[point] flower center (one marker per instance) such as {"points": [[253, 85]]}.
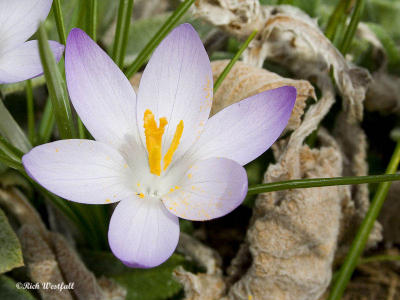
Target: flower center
{"points": [[154, 136]]}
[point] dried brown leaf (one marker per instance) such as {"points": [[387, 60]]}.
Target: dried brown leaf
{"points": [[245, 80]]}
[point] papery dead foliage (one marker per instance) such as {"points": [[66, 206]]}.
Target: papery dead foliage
{"points": [[292, 38], [293, 234], [49, 257], [210, 285], [384, 93], [245, 80]]}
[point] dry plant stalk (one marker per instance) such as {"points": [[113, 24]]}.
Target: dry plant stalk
{"points": [[292, 38]]}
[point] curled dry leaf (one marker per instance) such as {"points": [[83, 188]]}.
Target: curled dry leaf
{"points": [[41, 263], [384, 93], [293, 234], [200, 286], [49, 257], [203, 255], [245, 80], [18, 207], [292, 38], [74, 270]]}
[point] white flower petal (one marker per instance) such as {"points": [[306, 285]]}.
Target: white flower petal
{"points": [[19, 20], [82, 171], [177, 84], [23, 62], [210, 189], [142, 233]]}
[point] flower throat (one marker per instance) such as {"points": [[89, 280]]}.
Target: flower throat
{"points": [[154, 136]]}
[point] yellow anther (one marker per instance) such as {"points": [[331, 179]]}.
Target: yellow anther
{"points": [[154, 135], [141, 195], [174, 145], [108, 200]]}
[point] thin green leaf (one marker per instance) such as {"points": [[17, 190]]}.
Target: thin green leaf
{"points": [[319, 182], [337, 19], [93, 19], [159, 36], [10, 249], [10, 129], [122, 31], [47, 123], [59, 21], [9, 290], [229, 66], [378, 258], [31, 112], [351, 29], [56, 87], [359, 242]]}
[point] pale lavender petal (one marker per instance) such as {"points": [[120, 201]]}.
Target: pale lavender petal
{"points": [[99, 91], [19, 19], [23, 62], [210, 189], [142, 233], [82, 171], [245, 130], [177, 84]]}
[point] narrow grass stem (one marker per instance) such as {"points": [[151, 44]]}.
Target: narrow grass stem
{"points": [[93, 19], [47, 123], [122, 31], [230, 65], [351, 29], [57, 88], [378, 258], [359, 242], [30, 112], [158, 37], [60, 21], [319, 182], [337, 19]]}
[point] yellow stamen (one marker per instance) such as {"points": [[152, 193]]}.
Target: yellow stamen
{"points": [[153, 140], [154, 136], [174, 145]]}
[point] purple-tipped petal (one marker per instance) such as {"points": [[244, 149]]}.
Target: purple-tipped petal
{"points": [[142, 233], [81, 171], [99, 91], [19, 19], [23, 62], [177, 84], [245, 130], [210, 189]]}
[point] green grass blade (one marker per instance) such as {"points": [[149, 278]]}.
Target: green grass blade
{"points": [[359, 242], [233, 61], [10, 129], [93, 19], [30, 112], [159, 36], [122, 31], [351, 29], [47, 123], [57, 88], [319, 182], [337, 19], [59, 21]]}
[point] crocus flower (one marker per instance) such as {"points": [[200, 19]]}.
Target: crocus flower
{"points": [[19, 19], [158, 153]]}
